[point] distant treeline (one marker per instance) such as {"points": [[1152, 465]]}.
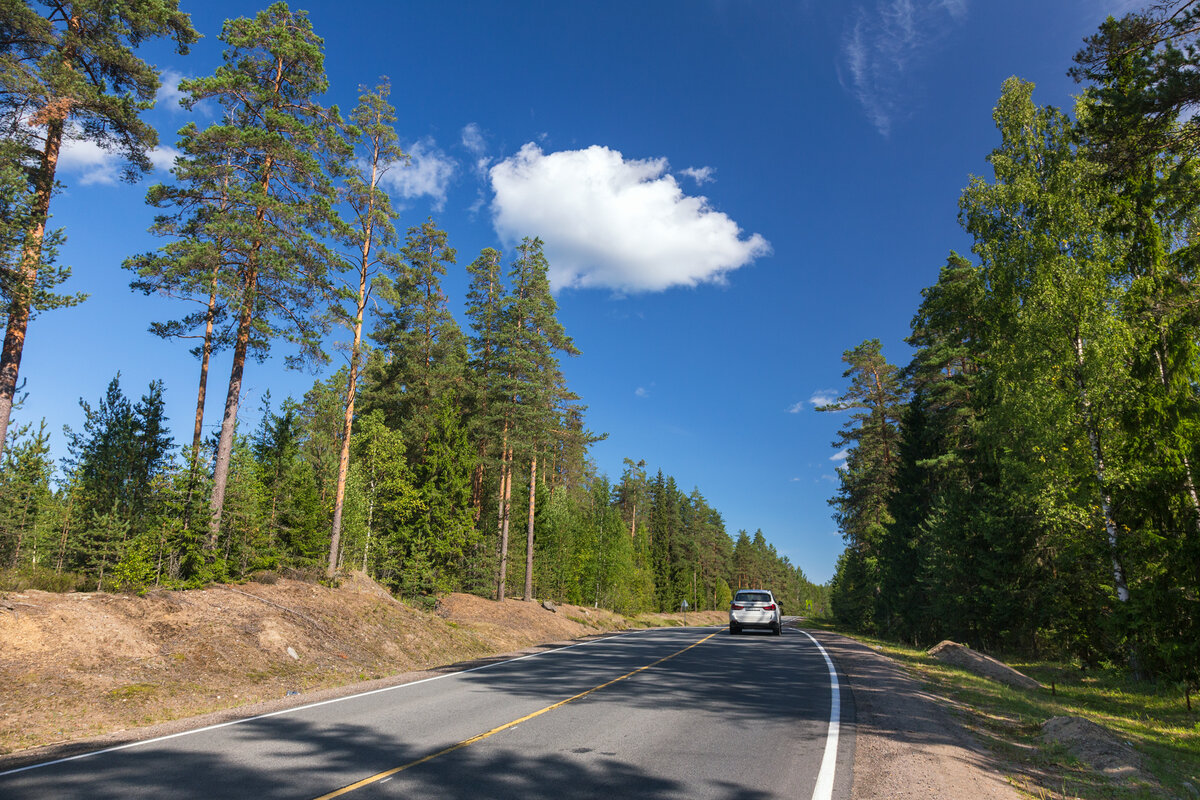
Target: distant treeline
{"points": [[1029, 481], [436, 460]]}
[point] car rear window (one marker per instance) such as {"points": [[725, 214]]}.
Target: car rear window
{"points": [[753, 597]]}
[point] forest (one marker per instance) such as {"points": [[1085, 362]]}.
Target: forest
{"points": [[1027, 483], [437, 459]]}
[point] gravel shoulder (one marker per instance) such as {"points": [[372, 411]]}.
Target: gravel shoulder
{"points": [[907, 743]]}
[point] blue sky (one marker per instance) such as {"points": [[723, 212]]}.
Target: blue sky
{"points": [[731, 194]]}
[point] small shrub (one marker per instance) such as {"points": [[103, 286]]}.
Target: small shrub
{"points": [[46, 580]]}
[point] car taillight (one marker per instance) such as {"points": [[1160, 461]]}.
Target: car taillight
{"points": [[770, 607], [736, 607]]}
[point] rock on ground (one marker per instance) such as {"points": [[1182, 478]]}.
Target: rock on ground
{"points": [[959, 655]]}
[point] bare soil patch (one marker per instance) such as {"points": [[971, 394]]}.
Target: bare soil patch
{"points": [[84, 664]]}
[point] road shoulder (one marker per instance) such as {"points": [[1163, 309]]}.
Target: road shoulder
{"points": [[907, 744]]}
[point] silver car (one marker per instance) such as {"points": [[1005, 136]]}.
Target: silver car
{"points": [[755, 608]]}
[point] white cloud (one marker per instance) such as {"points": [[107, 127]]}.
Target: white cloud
{"points": [[879, 48], [612, 223], [89, 160], [797, 408], [428, 174], [95, 165], [641, 392], [168, 92], [823, 398], [472, 138], [164, 157], [474, 141], [840, 455], [701, 175]]}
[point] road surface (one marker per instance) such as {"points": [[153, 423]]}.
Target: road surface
{"points": [[666, 713]]}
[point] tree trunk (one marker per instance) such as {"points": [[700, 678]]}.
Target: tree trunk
{"points": [[229, 422], [351, 388], [1093, 434], [477, 484], [22, 295], [529, 530], [1188, 476], [503, 513]]}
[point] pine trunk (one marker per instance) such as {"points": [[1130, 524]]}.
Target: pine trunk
{"points": [[529, 530], [348, 421], [229, 422], [22, 296], [503, 514]]}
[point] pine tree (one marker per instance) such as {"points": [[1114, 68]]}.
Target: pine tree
{"points": [[871, 437], [276, 135], [368, 232], [68, 69]]}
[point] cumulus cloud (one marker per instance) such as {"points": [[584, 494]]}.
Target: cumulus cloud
{"points": [[701, 175], [427, 174], [163, 158], [91, 162], [840, 456], [614, 223], [797, 408], [96, 166], [880, 48]]}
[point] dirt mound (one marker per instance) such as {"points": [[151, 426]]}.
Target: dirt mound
{"points": [[81, 664], [1097, 747], [959, 655]]}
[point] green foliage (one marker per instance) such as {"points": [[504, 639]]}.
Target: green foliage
{"points": [[1044, 497]]}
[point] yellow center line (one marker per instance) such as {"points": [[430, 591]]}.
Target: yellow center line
{"points": [[465, 742]]}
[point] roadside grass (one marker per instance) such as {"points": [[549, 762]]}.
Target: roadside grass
{"points": [[1151, 716]]}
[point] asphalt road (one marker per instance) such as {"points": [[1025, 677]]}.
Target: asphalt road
{"points": [[667, 713]]}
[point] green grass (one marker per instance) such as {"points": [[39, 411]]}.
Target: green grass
{"points": [[1151, 716]]}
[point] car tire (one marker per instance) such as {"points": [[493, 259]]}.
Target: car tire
{"points": [[734, 630], [778, 628]]}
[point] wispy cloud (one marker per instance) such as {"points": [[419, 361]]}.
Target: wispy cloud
{"points": [[641, 391], [643, 233], [428, 174], [823, 397], [797, 408], [880, 47], [840, 456], [701, 175], [473, 139], [168, 92]]}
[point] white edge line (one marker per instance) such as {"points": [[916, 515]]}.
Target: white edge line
{"points": [[156, 739], [824, 787]]}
